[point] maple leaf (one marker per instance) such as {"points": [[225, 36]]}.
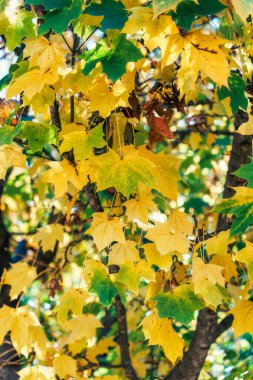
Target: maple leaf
{"points": [[16, 25], [218, 244], [245, 172], [179, 304], [74, 300], [154, 257], [161, 6], [141, 205], [159, 129], [246, 128], [83, 327], [37, 372], [31, 83], [155, 29], [171, 236], [226, 262], [243, 318], [104, 230], [245, 256], [103, 287], [100, 348], [20, 277], [200, 52], [60, 174], [166, 172], [241, 205], [18, 321], [82, 142], [124, 171], [208, 282], [120, 253], [11, 155], [47, 236], [130, 274], [98, 92], [161, 332], [114, 60], [113, 12], [45, 53], [65, 365]]}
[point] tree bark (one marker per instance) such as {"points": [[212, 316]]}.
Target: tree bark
{"points": [[208, 329]]}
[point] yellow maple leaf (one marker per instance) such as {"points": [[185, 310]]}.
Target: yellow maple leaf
{"points": [[74, 300], [210, 272], [31, 83], [218, 244], [120, 253], [124, 171], [166, 172], [64, 366], [101, 90], [18, 321], [37, 372], [11, 155], [245, 256], [243, 318], [226, 262], [100, 348], [205, 278], [171, 236], [200, 52], [38, 341], [104, 230], [140, 206], [48, 235], [47, 54], [246, 128], [155, 29], [20, 277], [83, 327], [211, 294], [154, 257], [160, 331], [60, 174]]}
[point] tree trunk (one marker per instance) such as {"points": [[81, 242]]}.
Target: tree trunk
{"points": [[208, 330]]}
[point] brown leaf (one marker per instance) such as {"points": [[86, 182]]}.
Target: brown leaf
{"points": [[159, 129]]}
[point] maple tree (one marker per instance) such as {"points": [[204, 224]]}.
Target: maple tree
{"points": [[121, 123]]}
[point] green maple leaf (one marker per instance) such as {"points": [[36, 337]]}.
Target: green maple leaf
{"points": [[20, 27], [8, 133], [246, 172], [180, 305], [59, 19], [114, 60], [50, 4], [188, 10], [235, 92], [38, 135], [103, 287], [114, 12]]}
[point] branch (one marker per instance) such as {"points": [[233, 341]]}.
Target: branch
{"points": [[123, 340], [208, 329], [55, 115], [72, 98]]}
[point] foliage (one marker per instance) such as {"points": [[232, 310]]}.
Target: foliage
{"points": [[115, 139]]}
